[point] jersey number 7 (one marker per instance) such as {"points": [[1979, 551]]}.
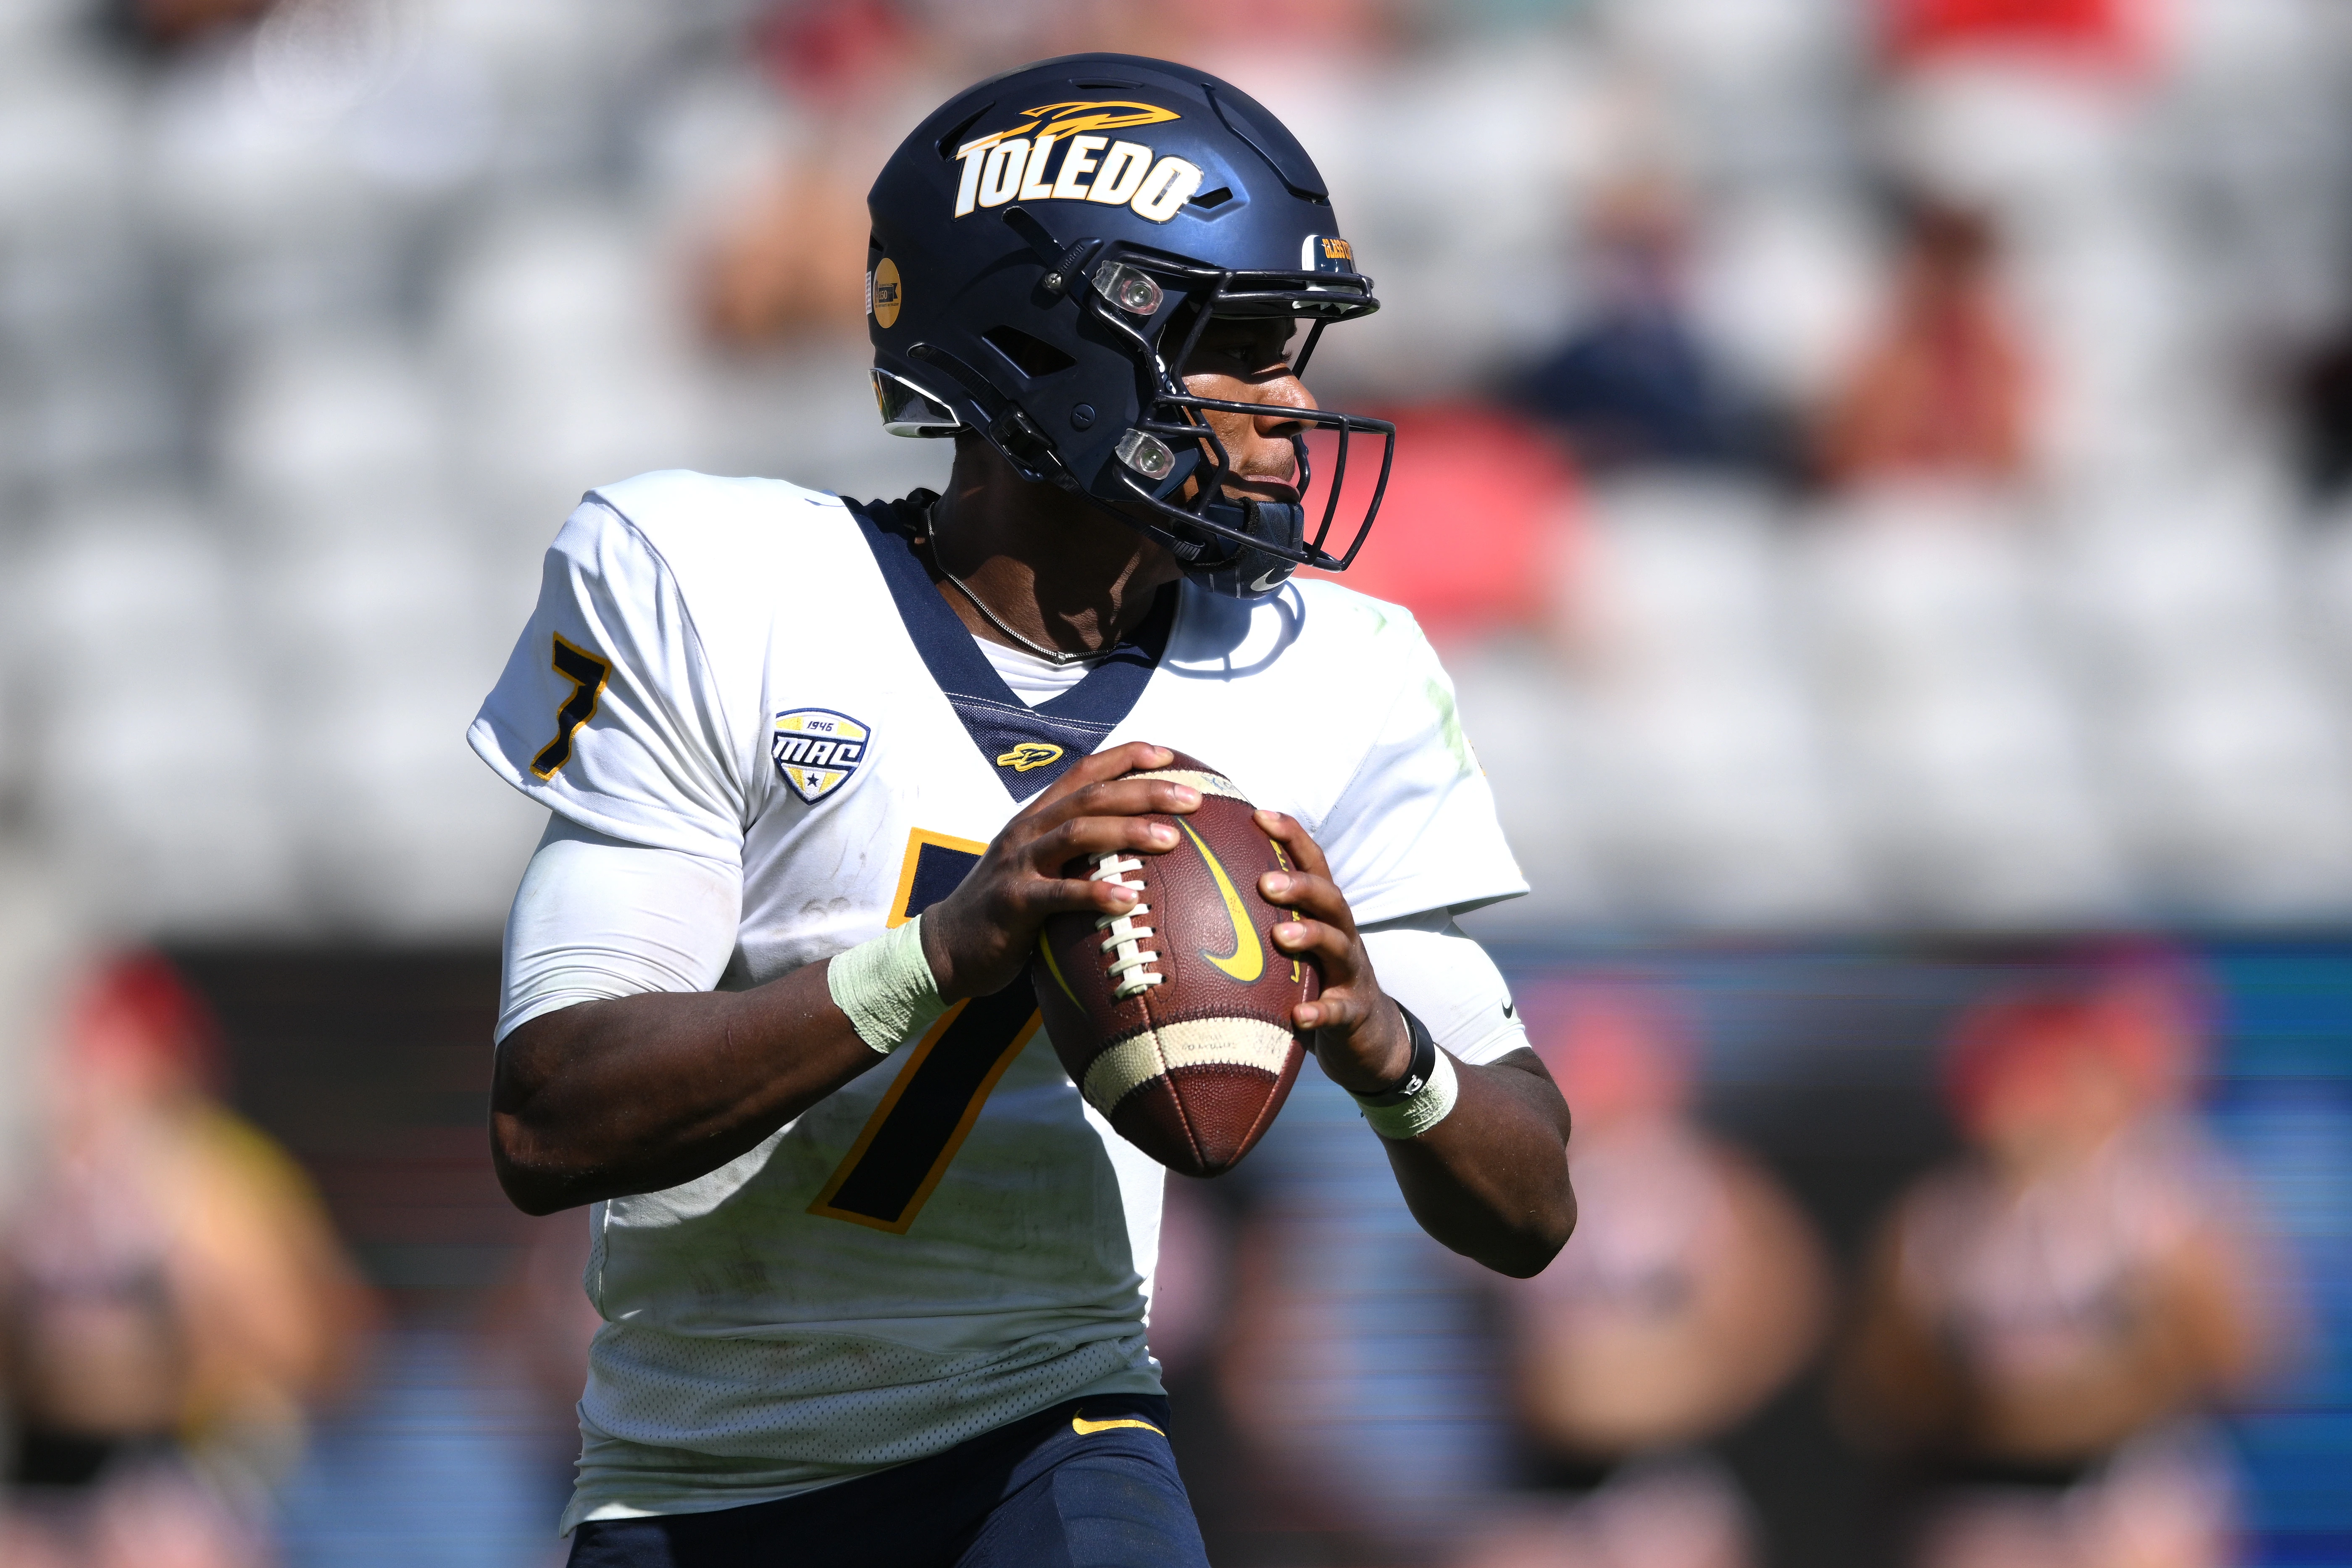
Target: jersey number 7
{"points": [[588, 675], [889, 1172]]}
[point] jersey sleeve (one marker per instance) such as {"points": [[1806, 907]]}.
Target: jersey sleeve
{"points": [[1438, 970], [1415, 829], [596, 918], [608, 712]]}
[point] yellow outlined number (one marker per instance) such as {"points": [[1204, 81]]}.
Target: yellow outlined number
{"points": [[907, 1143], [587, 674]]}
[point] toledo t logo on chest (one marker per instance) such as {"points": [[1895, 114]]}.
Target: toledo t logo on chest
{"points": [[1029, 754], [817, 750], [1018, 162]]}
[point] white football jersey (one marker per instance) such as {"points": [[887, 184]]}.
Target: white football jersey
{"points": [[766, 675]]}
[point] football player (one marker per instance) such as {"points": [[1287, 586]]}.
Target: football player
{"points": [[872, 1273]]}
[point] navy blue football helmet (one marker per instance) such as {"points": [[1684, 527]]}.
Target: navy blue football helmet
{"points": [[1047, 248]]}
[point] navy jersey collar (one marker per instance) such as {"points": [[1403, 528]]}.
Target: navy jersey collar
{"points": [[1027, 748]]}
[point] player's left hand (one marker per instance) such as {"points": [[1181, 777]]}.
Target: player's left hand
{"points": [[1358, 1036]]}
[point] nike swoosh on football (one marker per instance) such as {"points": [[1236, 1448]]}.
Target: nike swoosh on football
{"points": [[1085, 1428], [1248, 960], [1053, 968]]}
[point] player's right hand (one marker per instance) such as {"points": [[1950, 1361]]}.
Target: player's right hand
{"points": [[979, 938]]}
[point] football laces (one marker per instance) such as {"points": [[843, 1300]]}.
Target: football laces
{"points": [[1130, 967]]}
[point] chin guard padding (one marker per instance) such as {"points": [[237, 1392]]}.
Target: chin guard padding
{"points": [[1244, 573]]}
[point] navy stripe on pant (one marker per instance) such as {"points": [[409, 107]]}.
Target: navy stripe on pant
{"points": [[1090, 1484]]}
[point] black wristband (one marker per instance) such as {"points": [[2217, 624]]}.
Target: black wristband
{"points": [[1417, 1071]]}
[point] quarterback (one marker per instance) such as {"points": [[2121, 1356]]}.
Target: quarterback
{"points": [[873, 1273]]}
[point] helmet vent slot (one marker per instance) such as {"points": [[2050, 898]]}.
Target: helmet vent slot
{"points": [[1033, 357], [1267, 136], [953, 137], [1216, 198]]}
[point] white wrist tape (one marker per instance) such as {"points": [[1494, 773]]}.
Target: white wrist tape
{"points": [[1412, 1118], [887, 987]]}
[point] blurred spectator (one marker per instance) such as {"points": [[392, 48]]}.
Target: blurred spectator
{"points": [[1634, 386], [2039, 1319], [792, 258], [789, 255], [1355, 1360], [1673, 1513], [2092, 32], [1190, 1284], [1945, 392], [2323, 411], [538, 1324], [1480, 522], [175, 24], [170, 1298], [830, 48], [1692, 1288]]}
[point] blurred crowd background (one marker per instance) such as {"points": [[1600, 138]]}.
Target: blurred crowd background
{"points": [[1880, 471]]}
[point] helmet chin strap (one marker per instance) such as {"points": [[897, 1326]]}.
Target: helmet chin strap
{"points": [[1241, 573]]}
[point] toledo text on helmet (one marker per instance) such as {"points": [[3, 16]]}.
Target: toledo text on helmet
{"points": [[1014, 163]]}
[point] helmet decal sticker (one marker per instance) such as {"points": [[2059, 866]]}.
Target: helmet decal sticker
{"points": [[1164, 189], [1075, 119], [882, 293], [998, 175], [1013, 164], [1076, 164], [1326, 253], [1124, 169]]}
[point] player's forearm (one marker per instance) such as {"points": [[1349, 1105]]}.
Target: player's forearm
{"points": [[1491, 1179], [606, 1098]]}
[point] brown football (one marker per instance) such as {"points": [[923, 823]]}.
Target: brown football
{"points": [[1174, 1020]]}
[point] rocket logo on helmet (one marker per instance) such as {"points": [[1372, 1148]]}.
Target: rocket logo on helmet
{"points": [[1065, 232]]}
